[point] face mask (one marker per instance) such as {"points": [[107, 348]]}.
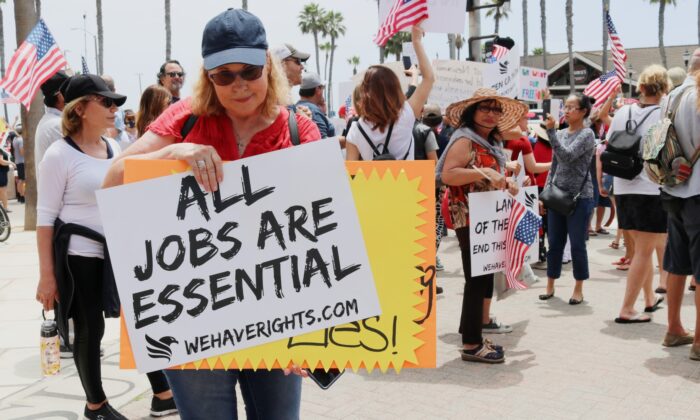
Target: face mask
{"points": [[130, 123]]}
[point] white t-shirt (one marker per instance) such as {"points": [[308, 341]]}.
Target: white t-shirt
{"points": [[66, 186], [47, 131], [400, 144], [641, 183]]}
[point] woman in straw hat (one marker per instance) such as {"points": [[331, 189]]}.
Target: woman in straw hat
{"points": [[573, 150], [474, 161]]}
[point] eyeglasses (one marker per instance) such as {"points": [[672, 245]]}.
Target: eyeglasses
{"points": [[226, 77], [571, 108], [294, 59], [175, 74], [104, 101], [486, 109]]}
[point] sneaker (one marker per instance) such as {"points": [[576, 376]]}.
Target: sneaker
{"points": [[160, 408], [695, 352], [540, 265], [106, 412], [566, 261], [672, 340], [438, 264], [494, 327], [483, 354], [66, 352]]}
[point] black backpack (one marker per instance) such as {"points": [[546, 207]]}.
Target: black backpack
{"points": [[420, 136], [622, 158], [384, 154]]}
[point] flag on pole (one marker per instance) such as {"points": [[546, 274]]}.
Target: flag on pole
{"points": [[86, 70], [602, 87], [499, 52], [403, 14], [5, 98], [618, 51], [523, 228], [34, 62]]}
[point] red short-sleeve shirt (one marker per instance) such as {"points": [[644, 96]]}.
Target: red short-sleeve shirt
{"points": [[521, 145], [217, 131]]}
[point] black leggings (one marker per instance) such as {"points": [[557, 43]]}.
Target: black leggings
{"points": [[86, 312], [476, 289]]}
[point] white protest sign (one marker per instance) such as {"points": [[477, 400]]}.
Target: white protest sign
{"points": [[488, 223], [557, 108], [395, 66], [410, 52], [345, 90], [503, 75], [520, 177], [276, 252], [532, 83], [455, 81], [445, 16]]}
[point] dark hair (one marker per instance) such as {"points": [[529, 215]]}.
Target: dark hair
{"points": [[381, 97], [307, 93], [432, 121], [467, 118], [584, 102], [154, 101], [161, 72], [52, 100]]}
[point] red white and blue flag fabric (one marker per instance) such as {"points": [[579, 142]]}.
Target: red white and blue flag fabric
{"points": [[403, 14], [602, 87], [497, 53], [619, 55], [523, 228], [34, 62]]}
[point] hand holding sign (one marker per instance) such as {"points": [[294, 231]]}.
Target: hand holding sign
{"points": [[204, 161]]}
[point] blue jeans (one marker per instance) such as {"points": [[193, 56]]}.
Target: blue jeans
{"points": [[211, 395], [576, 227]]}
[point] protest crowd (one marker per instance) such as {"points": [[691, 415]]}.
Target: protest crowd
{"points": [[241, 107]]}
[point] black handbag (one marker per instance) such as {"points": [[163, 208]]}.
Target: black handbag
{"points": [[554, 198]]}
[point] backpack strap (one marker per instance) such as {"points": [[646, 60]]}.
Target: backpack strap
{"points": [[188, 125], [293, 127], [631, 122], [374, 148], [673, 108], [388, 137]]}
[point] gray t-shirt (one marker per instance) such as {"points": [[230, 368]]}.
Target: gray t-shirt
{"points": [[18, 146], [573, 153]]}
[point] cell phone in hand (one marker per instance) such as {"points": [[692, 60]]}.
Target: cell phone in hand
{"points": [[406, 62], [325, 379], [546, 107]]}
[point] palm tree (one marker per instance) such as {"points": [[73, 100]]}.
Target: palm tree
{"points": [[459, 44], [354, 61], [311, 22], [38, 7], [167, 30], [244, 5], [537, 51], [332, 27], [395, 45], [606, 7], [100, 38], [326, 48], [570, 42], [525, 49], [2, 51], [662, 10], [451, 45], [543, 31], [497, 13], [25, 20], [382, 53]]}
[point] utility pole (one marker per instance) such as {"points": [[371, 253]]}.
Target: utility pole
{"points": [[140, 88], [475, 31]]}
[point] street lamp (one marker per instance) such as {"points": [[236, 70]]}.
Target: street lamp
{"points": [[686, 58]]}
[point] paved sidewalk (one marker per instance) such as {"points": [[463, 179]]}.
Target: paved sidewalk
{"points": [[563, 362]]}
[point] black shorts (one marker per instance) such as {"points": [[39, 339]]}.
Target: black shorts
{"points": [[682, 254], [20, 171], [643, 213], [3, 179]]}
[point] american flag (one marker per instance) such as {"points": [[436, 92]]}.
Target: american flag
{"points": [[618, 51], [523, 228], [403, 14], [34, 62], [602, 87], [86, 70], [498, 52], [5, 98], [349, 110]]}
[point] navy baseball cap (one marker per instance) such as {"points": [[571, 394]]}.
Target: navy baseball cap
{"points": [[234, 36]]}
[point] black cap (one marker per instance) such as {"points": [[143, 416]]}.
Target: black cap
{"points": [[234, 36], [53, 84], [87, 84]]}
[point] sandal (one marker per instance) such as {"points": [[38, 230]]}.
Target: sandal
{"points": [[621, 261], [624, 266], [655, 306], [483, 354], [614, 245], [592, 232], [602, 231]]}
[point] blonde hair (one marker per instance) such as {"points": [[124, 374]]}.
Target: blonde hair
{"points": [[653, 81], [71, 121], [356, 99], [206, 103]]}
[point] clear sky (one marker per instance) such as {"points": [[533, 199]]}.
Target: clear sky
{"points": [[135, 37]]}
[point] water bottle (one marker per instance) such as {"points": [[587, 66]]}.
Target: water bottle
{"points": [[50, 348]]}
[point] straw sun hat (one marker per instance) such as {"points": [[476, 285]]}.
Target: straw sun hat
{"points": [[513, 110]]}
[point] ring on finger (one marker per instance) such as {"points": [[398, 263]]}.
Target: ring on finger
{"points": [[201, 164]]}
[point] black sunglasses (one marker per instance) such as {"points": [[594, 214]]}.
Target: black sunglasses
{"points": [[174, 74], [296, 60], [104, 101], [226, 77]]}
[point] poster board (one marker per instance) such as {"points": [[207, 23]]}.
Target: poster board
{"points": [[504, 74], [532, 84], [404, 336], [455, 81]]}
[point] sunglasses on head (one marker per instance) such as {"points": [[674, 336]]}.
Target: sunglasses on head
{"points": [[226, 77], [104, 101], [175, 74]]}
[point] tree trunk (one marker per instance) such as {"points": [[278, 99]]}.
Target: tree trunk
{"points": [[606, 5], [459, 51], [381, 55], [543, 31], [329, 88], [325, 67], [451, 44], [318, 65], [698, 21], [167, 30], [244, 5], [526, 52], [662, 50], [25, 20], [38, 8], [100, 39], [2, 54], [570, 43]]}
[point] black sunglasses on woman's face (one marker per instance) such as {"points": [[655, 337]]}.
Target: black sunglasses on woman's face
{"points": [[226, 77], [104, 101]]}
